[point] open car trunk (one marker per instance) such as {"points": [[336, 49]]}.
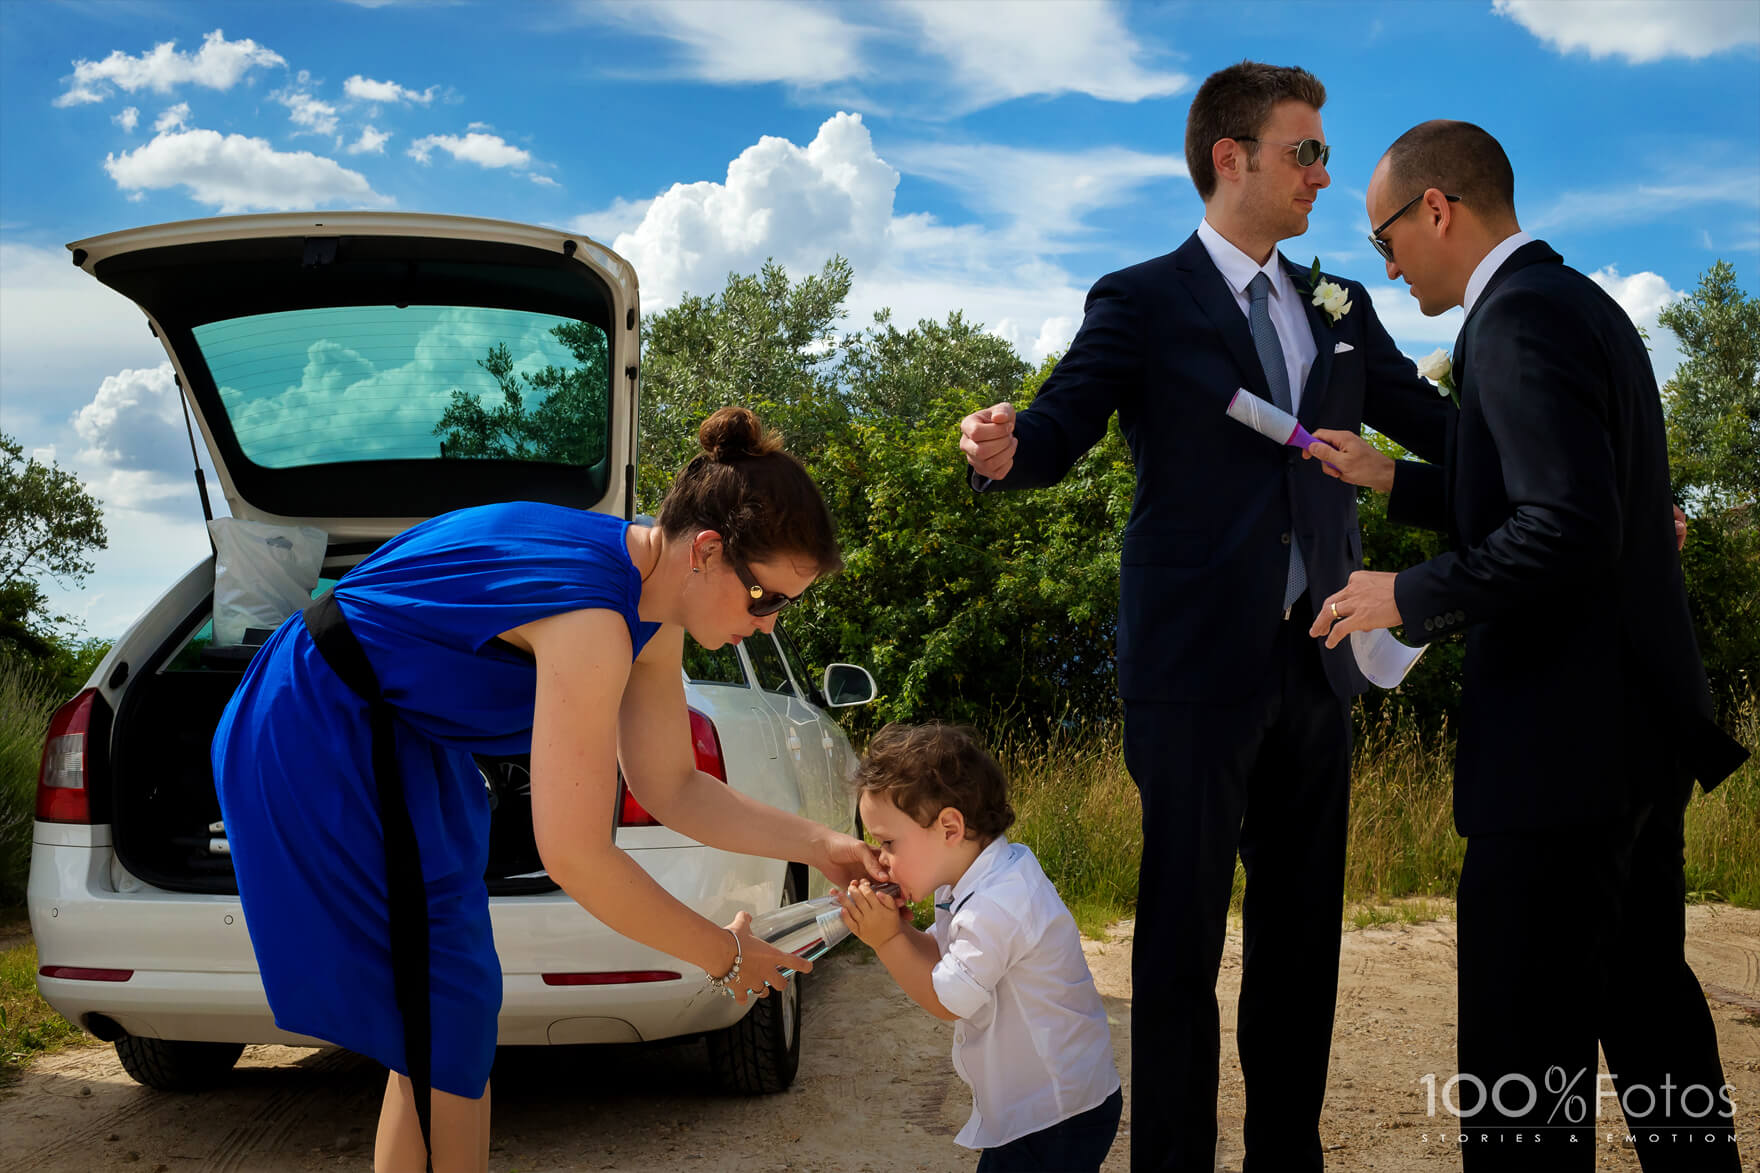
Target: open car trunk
{"points": [[166, 823], [358, 372]]}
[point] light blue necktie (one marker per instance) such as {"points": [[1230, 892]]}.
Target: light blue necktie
{"points": [[1277, 375]]}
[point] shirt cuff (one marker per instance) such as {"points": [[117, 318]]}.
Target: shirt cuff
{"points": [[957, 989]]}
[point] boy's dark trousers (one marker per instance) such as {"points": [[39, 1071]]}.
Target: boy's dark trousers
{"points": [[1076, 1145]]}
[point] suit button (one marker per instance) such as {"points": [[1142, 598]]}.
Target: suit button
{"points": [[1460, 616], [1284, 537], [1429, 625]]}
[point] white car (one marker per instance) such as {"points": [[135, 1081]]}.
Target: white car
{"points": [[352, 372]]}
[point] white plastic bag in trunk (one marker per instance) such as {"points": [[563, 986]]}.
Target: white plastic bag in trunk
{"points": [[262, 574]]}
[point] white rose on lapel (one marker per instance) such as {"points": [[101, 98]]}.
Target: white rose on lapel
{"points": [[1435, 365], [1333, 299], [1439, 369], [1328, 295]]}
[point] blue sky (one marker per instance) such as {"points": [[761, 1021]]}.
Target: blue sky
{"points": [[987, 156]]}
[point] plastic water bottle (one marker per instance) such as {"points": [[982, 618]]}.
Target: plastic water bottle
{"points": [[809, 929]]}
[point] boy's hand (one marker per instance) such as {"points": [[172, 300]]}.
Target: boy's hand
{"points": [[872, 916]]}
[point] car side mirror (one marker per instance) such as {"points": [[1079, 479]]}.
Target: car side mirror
{"points": [[848, 684]]}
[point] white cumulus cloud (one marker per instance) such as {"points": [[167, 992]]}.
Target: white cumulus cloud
{"points": [[172, 118], [371, 142], [799, 205], [127, 118], [218, 65], [232, 173], [133, 421], [1643, 296], [611, 222], [311, 114], [796, 204], [1007, 49], [1638, 30], [485, 150], [364, 89]]}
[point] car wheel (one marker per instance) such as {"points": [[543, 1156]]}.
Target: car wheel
{"points": [[173, 1066], [759, 1054]]}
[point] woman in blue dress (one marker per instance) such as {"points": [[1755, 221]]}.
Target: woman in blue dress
{"points": [[498, 630]]}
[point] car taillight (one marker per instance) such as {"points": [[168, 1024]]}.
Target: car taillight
{"points": [[706, 745], [63, 791]]}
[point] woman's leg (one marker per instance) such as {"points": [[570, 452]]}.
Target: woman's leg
{"points": [[460, 1130]]}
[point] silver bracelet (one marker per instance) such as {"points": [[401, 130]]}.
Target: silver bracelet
{"points": [[724, 983]]}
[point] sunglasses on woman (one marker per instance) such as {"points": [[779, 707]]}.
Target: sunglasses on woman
{"points": [[763, 602]]}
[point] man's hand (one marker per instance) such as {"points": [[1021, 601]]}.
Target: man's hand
{"points": [[872, 916], [1351, 459], [1365, 604], [987, 439], [1680, 530]]}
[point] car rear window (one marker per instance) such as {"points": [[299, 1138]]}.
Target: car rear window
{"points": [[383, 382]]}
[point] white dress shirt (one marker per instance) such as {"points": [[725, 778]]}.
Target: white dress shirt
{"points": [[1288, 314], [1488, 267], [1031, 1039]]}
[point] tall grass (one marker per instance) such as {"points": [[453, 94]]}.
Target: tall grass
{"points": [[27, 1024], [1723, 827], [27, 702], [1401, 841], [1077, 809]]}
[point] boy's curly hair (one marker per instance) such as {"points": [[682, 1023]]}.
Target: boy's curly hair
{"points": [[924, 768]]}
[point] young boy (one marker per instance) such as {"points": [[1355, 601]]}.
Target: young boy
{"points": [[1005, 961]]}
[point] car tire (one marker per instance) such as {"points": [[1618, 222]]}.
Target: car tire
{"points": [[174, 1066], [759, 1054]]}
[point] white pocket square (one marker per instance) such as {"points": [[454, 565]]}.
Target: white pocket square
{"points": [[1343, 348]]}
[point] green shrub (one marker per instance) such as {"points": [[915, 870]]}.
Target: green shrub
{"points": [[27, 702]]}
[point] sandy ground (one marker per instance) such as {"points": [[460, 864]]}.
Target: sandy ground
{"points": [[876, 1090]]}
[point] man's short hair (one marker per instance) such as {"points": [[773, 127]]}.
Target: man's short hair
{"points": [[1457, 158], [922, 769], [1236, 102]]}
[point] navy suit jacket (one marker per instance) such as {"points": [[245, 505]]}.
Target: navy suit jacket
{"points": [[1583, 691], [1165, 345]]}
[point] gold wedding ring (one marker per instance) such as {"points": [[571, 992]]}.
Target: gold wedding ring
{"points": [[1335, 613]]}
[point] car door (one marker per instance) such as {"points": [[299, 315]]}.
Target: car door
{"points": [[840, 760], [800, 726]]}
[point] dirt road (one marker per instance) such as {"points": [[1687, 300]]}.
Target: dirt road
{"points": [[876, 1091]]}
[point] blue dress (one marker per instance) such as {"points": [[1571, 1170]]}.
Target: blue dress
{"points": [[292, 764]]}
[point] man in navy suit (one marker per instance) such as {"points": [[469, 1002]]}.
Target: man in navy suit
{"points": [[1237, 723], [1585, 715]]}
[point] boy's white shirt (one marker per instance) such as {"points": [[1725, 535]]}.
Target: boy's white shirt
{"points": [[1031, 1040]]}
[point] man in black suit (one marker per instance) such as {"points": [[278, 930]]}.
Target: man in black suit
{"points": [[1237, 724], [1584, 710]]}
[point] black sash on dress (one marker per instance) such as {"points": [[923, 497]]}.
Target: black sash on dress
{"points": [[407, 898]]}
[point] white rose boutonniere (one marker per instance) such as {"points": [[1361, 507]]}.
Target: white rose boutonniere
{"points": [[1438, 367], [1333, 299], [1328, 295]]}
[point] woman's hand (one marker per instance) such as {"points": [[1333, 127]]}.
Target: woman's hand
{"points": [[872, 916], [761, 964], [845, 859]]}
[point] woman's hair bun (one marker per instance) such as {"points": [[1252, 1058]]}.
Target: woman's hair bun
{"points": [[734, 433]]}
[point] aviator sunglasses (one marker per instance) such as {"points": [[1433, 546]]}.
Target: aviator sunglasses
{"points": [[763, 603], [1308, 152]]}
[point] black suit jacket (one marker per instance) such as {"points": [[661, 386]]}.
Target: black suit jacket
{"points": [[1165, 345], [1584, 691]]}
